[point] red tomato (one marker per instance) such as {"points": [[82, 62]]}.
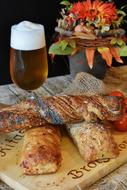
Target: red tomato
{"points": [[121, 124], [125, 104], [117, 93], [120, 94]]}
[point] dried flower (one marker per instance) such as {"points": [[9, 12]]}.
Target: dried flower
{"points": [[92, 25]]}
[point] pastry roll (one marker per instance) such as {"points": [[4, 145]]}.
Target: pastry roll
{"points": [[68, 109], [41, 151], [93, 141], [59, 110], [20, 116]]}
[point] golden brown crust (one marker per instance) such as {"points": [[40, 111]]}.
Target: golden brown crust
{"points": [[68, 109], [41, 152], [94, 141], [19, 116], [64, 109]]}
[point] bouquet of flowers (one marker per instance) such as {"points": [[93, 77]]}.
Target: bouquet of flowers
{"points": [[91, 26]]}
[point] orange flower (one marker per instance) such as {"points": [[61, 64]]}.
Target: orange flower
{"points": [[91, 11], [78, 9], [86, 21], [108, 12]]}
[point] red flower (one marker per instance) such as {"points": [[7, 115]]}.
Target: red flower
{"points": [[91, 11], [78, 10]]}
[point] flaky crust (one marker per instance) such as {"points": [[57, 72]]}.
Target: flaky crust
{"points": [[68, 109], [41, 152], [20, 116], [59, 110], [94, 141]]}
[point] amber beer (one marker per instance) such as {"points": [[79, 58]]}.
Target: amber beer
{"points": [[28, 56]]}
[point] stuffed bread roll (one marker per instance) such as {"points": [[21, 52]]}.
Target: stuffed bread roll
{"points": [[93, 140], [41, 151]]}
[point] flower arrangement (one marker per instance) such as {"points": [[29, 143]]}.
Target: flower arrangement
{"points": [[91, 26]]}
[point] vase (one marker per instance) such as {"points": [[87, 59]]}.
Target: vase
{"points": [[78, 63]]}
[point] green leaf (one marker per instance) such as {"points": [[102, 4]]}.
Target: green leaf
{"points": [[102, 49], [124, 6], [57, 49], [72, 43], [120, 42], [66, 3], [123, 51], [113, 41], [63, 44], [117, 41], [121, 12]]}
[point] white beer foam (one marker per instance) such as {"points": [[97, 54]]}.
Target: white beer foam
{"points": [[27, 36]]}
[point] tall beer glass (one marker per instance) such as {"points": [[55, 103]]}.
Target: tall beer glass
{"points": [[28, 56]]}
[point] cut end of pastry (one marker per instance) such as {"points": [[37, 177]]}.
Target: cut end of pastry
{"points": [[40, 169]]}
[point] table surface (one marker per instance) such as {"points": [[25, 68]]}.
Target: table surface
{"points": [[10, 94]]}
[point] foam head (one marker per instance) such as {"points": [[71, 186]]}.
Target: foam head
{"points": [[27, 36]]}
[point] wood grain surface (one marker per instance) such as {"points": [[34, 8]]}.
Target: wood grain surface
{"points": [[74, 173]]}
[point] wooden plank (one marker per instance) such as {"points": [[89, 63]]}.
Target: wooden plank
{"points": [[7, 96], [115, 180], [74, 173], [57, 85], [21, 94]]}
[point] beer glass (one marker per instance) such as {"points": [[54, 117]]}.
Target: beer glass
{"points": [[28, 55]]}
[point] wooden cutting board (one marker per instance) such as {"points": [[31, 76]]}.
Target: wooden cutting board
{"points": [[73, 173]]}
